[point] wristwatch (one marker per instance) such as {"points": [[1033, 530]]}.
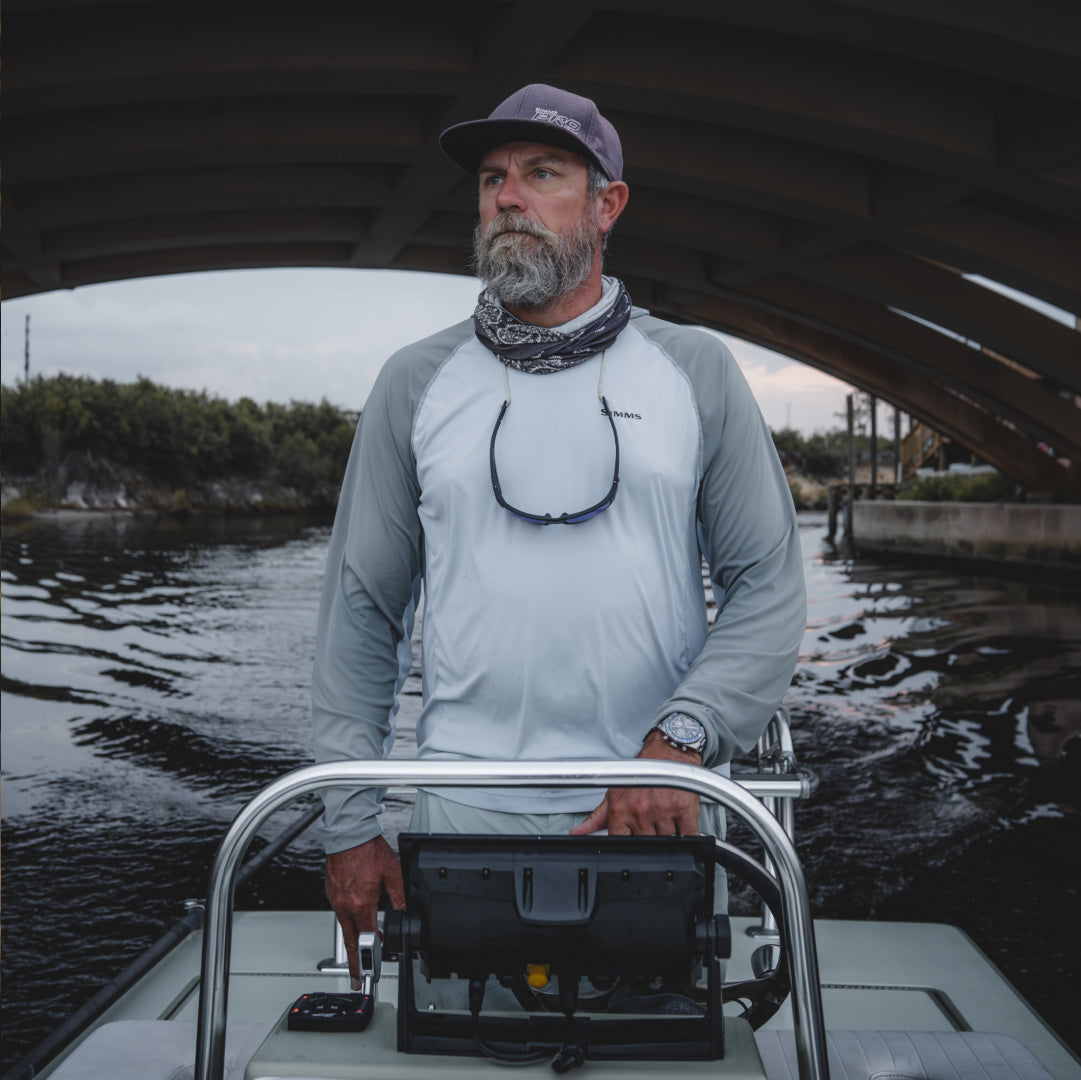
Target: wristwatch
{"points": [[683, 732]]}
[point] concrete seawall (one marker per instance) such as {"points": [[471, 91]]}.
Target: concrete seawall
{"points": [[1043, 535]]}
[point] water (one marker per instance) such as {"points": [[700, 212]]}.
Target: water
{"points": [[155, 675]]}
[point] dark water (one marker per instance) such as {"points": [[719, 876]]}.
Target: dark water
{"points": [[155, 675]]}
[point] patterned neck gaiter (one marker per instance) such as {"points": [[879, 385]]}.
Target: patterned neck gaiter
{"points": [[540, 350]]}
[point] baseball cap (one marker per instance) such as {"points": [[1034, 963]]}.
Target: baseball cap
{"points": [[538, 113]]}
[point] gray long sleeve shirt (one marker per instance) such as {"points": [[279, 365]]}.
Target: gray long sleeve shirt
{"points": [[549, 643]]}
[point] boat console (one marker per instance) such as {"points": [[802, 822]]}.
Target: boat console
{"points": [[603, 947]]}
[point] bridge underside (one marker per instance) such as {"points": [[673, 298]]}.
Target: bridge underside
{"points": [[823, 178]]}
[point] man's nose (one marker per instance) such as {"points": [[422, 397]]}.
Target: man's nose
{"points": [[511, 195]]}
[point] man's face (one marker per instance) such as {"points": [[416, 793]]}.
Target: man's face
{"points": [[538, 235]]}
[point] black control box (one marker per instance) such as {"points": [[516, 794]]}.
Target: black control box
{"points": [[331, 1012]]}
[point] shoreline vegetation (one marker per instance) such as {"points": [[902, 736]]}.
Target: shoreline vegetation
{"points": [[75, 443], [72, 443]]}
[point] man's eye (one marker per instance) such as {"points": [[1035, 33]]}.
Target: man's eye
{"points": [[491, 181], [543, 174]]}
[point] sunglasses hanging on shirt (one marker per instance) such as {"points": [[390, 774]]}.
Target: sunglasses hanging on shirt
{"points": [[579, 516]]}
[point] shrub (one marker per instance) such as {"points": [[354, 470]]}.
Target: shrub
{"points": [[950, 487]]}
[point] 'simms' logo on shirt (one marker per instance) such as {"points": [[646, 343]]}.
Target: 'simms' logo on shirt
{"points": [[620, 415]]}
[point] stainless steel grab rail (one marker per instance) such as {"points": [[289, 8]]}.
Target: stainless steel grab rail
{"points": [[775, 753], [810, 1033]]}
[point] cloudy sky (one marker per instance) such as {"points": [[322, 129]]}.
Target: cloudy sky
{"points": [[282, 335]]}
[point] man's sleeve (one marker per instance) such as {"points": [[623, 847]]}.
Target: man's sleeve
{"points": [[369, 592], [750, 539]]}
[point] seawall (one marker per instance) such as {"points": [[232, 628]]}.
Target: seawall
{"points": [[1037, 535]]}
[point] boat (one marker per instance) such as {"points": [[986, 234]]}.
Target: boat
{"points": [[254, 995]]}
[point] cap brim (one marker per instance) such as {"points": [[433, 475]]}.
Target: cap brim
{"points": [[466, 144]]}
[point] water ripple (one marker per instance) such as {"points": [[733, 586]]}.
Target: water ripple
{"points": [[156, 674]]}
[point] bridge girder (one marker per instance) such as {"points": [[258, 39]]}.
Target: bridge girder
{"points": [[824, 178]]}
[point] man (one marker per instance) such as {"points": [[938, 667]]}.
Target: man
{"points": [[584, 640]]}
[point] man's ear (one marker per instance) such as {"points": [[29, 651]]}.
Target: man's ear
{"points": [[612, 201]]}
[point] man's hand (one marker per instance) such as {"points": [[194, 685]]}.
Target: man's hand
{"points": [[648, 811], [355, 878]]}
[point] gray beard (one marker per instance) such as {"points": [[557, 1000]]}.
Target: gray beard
{"points": [[530, 274]]}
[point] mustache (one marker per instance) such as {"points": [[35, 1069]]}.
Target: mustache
{"points": [[511, 222]]}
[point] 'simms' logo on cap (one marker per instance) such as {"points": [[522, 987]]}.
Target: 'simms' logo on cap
{"points": [[551, 116]]}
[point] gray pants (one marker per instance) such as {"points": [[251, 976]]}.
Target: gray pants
{"points": [[436, 814]]}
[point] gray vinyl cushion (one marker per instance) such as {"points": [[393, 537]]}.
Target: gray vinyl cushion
{"points": [[154, 1050], [907, 1055]]}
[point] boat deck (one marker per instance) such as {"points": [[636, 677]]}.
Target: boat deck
{"points": [[875, 977]]}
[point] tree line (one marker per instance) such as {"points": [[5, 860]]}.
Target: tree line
{"points": [[175, 438], [70, 426], [823, 455], [183, 437]]}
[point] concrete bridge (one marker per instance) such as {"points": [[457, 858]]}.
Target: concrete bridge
{"points": [[829, 179]]}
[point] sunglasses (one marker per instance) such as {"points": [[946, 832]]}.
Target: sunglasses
{"points": [[577, 517]]}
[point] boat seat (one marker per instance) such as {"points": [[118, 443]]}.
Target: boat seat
{"points": [[907, 1055], [154, 1050]]}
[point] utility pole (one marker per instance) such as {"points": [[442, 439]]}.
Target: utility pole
{"points": [[897, 467], [850, 490], [850, 408], [874, 442], [26, 352]]}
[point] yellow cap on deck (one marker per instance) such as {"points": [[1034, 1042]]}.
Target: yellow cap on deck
{"points": [[537, 975]]}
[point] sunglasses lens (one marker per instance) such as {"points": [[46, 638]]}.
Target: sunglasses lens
{"points": [[591, 514]]}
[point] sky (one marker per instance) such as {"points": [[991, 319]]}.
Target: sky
{"points": [[303, 335]]}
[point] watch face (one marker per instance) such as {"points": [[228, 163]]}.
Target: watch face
{"points": [[684, 729]]}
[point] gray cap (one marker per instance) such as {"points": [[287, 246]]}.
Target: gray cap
{"points": [[543, 114]]}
